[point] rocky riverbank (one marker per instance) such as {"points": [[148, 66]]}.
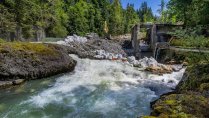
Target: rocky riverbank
{"points": [[191, 97], [26, 61]]}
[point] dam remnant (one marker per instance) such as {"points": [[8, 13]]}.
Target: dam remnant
{"points": [[157, 35]]}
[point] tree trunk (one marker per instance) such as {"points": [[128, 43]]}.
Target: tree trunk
{"points": [[12, 36], [40, 34], [19, 33]]}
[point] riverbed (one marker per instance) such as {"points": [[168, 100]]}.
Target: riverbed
{"points": [[95, 89]]}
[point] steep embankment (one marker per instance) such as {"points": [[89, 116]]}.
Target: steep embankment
{"points": [[32, 61], [191, 97]]}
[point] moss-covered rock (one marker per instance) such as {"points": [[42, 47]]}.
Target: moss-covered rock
{"points": [[190, 99], [33, 61], [189, 105]]}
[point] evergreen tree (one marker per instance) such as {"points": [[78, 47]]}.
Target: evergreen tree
{"points": [[162, 11], [116, 25], [78, 18], [131, 18], [7, 22], [145, 13], [36, 19], [59, 19]]}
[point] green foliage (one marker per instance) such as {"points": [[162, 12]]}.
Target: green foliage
{"points": [[116, 18], [190, 37], [131, 18], [197, 42], [60, 20], [197, 78], [191, 12], [78, 21], [162, 11], [28, 19], [187, 32], [7, 23]]}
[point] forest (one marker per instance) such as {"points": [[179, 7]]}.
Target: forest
{"points": [[27, 20]]}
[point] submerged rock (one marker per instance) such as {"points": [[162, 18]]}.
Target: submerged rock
{"points": [[18, 81]]}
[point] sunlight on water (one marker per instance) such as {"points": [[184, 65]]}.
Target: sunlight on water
{"points": [[95, 89]]}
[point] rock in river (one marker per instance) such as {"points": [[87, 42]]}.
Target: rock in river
{"points": [[32, 61]]}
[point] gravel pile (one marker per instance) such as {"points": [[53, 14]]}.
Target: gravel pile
{"points": [[86, 47], [73, 39]]}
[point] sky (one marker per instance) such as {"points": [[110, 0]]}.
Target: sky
{"points": [[154, 4]]}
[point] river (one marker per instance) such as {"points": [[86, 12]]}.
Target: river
{"points": [[95, 89]]}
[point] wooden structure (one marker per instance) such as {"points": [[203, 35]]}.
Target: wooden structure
{"points": [[135, 41], [158, 37]]}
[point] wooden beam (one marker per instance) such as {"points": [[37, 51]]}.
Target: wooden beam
{"points": [[135, 42], [153, 36]]}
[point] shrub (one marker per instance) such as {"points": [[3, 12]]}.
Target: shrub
{"points": [[198, 42]]}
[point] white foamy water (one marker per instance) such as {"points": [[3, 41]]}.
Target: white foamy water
{"points": [[98, 89]]}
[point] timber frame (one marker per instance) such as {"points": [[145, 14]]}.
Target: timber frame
{"points": [[158, 36]]}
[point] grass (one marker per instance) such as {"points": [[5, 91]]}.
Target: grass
{"points": [[196, 42]]}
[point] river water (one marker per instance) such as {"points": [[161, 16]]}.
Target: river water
{"points": [[96, 89]]}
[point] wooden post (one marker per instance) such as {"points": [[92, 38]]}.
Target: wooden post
{"points": [[154, 39], [153, 36], [135, 42]]}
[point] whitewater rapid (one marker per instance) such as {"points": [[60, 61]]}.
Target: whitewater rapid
{"points": [[96, 88]]}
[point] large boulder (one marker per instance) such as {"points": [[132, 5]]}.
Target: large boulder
{"points": [[33, 61]]}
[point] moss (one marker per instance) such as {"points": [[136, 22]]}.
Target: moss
{"points": [[32, 48], [204, 87], [170, 102], [179, 115], [188, 105]]}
